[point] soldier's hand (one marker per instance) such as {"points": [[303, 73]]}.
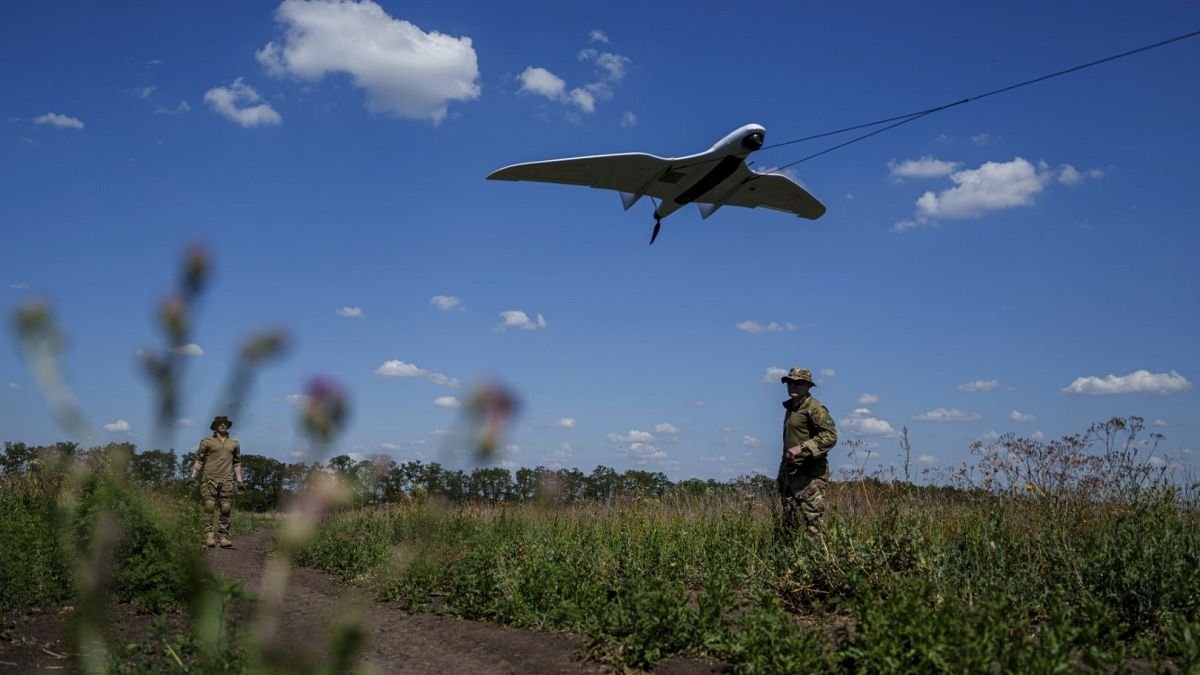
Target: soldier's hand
{"points": [[796, 452], [241, 486], [190, 481]]}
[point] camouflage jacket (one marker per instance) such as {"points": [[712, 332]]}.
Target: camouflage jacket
{"points": [[807, 423], [219, 456]]}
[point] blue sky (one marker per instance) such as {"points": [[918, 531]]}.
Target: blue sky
{"points": [[1009, 265]]}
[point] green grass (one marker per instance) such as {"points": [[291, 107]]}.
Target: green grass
{"points": [[903, 582]]}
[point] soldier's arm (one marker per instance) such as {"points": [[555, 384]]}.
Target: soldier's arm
{"points": [[200, 453], [237, 463], [826, 438]]}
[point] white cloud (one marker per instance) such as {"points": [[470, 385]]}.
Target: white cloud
{"points": [[20, 286], [183, 107], [774, 374], [236, 102], [1069, 175], [828, 372], [14, 386], [755, 327], [397, 368], [297, 400], [598, 36], [184, 423], [1037, 436], [145, 92], [862, 423], [947, 415], [990, 436], [628, 119], [446, 302], [1018, 416], [118, 426], [610, 71], [543, 83], [564, 423], [666, 428], [1156, 462], [641, 453], [447, 402], [404, 70], [634, 436], [926, 167], [1155, 423], [517, 319], [190, 349], [60, 121], [868, 399], [350, 312], [751, 441], [981, 139], [979, 385], [927, 459], [1137, 382]]}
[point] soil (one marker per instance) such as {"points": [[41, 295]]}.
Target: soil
{"points": [[396, 642]]}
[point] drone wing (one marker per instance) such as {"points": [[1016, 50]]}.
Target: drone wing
{"points": [[776, 191], [629, 172]]}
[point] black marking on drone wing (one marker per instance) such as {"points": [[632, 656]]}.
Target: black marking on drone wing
{"points": [[710, 180]]}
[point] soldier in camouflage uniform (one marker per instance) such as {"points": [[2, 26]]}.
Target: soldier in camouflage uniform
{"points": [[808, 436], [221, 456]]}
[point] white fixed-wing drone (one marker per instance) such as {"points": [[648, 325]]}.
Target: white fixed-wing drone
{"points": [[714, 178]]}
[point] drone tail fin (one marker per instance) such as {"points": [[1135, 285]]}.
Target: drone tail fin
{"points": [[628, 199], [707, 210]]}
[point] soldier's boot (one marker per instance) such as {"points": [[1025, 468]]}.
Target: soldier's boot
{"points": [[225, 543], [209, 540]]}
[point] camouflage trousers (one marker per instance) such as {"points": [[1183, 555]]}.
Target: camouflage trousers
{"points": [[218, 498], [803, 499]]}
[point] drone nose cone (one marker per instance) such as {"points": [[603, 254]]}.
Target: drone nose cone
{"points": [[753, 141]]}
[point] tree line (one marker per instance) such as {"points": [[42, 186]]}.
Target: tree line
{"points": [[379, 479]]}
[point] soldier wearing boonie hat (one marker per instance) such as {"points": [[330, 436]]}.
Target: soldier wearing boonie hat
{"points": [[808, 435], [221, 456]]}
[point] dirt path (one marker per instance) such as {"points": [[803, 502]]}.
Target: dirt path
{"points": [[396, 641]]}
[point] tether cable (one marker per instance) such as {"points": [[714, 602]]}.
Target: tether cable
{"points": [[910, 117]]}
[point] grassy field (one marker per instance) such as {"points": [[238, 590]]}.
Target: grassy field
{"points": [[1052, 560], [905, 580]]}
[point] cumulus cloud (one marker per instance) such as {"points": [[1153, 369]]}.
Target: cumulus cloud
{"points": [[404, 70], [14, 386], [564, 423], [20, 286], [519, 320], [628, 119], [60, 121], [666, 428], [446, 302], [610, 70], [1018, 416], [1155, 423], [947, 415], [979, 385], [184, 423], [926, 167], [145, 92], [237, 102], [756, 328], [868, 399], [397, 368], [350, 312], [447, 402], [828, 372], [981, 139], [118, 426], [863, 423], [295, 400], [751, 441], [598, 36], [774, 374], [634, 436], [190, 349], [927, 459], [994, 186], [1137, 382]]}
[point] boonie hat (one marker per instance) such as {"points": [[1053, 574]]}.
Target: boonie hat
{"points": [[798, 375], [220, 420]]}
